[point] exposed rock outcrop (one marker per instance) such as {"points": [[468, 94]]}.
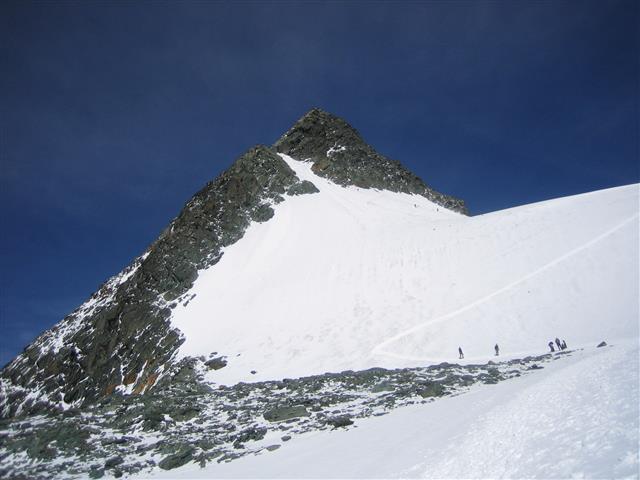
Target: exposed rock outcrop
{"points": [[341, 155]]}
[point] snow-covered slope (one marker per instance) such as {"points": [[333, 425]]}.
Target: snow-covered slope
{"points": [[350, 278], [576, 418]]}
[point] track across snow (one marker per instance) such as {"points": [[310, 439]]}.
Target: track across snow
{"points": [[350, 278], [379, 349]]}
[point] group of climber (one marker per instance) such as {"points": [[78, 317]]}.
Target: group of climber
{"points": [[560, 344], [496, 348]]}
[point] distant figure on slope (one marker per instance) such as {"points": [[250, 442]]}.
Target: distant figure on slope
{"points": [[558, 344], [564, 345], [551, 346], [460, 353], [497, 349]]}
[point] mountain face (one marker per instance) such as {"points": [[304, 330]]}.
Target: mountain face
{"points": [[122, 338], [315, 285]]}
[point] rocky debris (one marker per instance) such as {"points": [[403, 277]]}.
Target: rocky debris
{"points": [[184, 420], [339, 153]]}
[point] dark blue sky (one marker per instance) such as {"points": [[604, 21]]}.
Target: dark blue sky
{"points": [[112, 114]]}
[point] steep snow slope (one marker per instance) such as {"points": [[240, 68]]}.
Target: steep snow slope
{"points": [[577, 418], [350, 278]]}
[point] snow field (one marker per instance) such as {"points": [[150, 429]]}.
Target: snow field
{"points": [[351, 278]]}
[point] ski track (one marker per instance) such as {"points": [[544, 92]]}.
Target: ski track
{"points": [[378, 349]]}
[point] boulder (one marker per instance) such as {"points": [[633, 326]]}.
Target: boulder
{"points": [[216, 363], [340, 421], [113, 462], [279, 414], [431, 389], [178, 459]]}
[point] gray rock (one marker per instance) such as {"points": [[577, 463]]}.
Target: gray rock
{"points": [[251, 433], [178, 459], [279, 414], [340, 421], [384, 386], [602, 344], [96, 473], [431, 389], [302, 188], [216, 363], [113, 462]]}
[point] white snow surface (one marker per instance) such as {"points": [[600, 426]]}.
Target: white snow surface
{"points": [[352, 278], [576, 418]]}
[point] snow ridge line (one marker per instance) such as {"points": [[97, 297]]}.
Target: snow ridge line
{"points": [[378, 349]]}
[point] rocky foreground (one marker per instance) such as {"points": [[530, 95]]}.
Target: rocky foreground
{"points": [[185, 420]]}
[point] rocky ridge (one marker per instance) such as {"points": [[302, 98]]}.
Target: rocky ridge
{"points": [[121, 337]]}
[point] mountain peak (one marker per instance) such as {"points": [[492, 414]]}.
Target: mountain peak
{"points": [[317, 133], [122, 339], [318, 114], [339, 153]]}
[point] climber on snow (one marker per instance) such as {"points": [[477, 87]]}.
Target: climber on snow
{"points": [[497, 349], [461, 355], [551, 346]]}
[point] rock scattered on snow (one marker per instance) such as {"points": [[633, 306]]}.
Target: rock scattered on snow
{"points": [[186, 421]]}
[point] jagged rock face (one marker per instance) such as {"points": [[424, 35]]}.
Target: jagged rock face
{"points": [[121, 338], [341, 155]]}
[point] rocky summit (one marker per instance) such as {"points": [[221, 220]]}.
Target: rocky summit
{"points": [[120, 341], [338, 153]]}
